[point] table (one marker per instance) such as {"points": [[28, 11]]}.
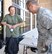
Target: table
{"points": [[30, 39], [28, 42]]}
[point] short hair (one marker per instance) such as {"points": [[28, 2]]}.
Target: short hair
{"points": [[33, 2], [10, 7]]}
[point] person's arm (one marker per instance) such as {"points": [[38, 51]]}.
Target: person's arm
{"points": [[22, 24], [4, 23]]}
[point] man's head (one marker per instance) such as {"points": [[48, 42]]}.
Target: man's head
{"points": [[32, 6], [11, 10]]}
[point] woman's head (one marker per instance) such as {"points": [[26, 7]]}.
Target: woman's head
{"points": [[11, 10]]}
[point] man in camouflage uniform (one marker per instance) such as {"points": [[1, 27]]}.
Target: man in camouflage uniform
{"points": [[44, 23]]}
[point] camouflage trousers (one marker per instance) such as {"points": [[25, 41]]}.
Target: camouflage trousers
{"points": [[41, 44]]}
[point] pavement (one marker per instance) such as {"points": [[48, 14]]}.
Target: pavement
{"points": [[28, 50], [20, 50]]}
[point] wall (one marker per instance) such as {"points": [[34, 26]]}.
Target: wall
{"points": [[6, 4], [46, 3]]}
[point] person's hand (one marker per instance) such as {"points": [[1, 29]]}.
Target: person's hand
{"points": [[14, 26], [10, 26]]}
